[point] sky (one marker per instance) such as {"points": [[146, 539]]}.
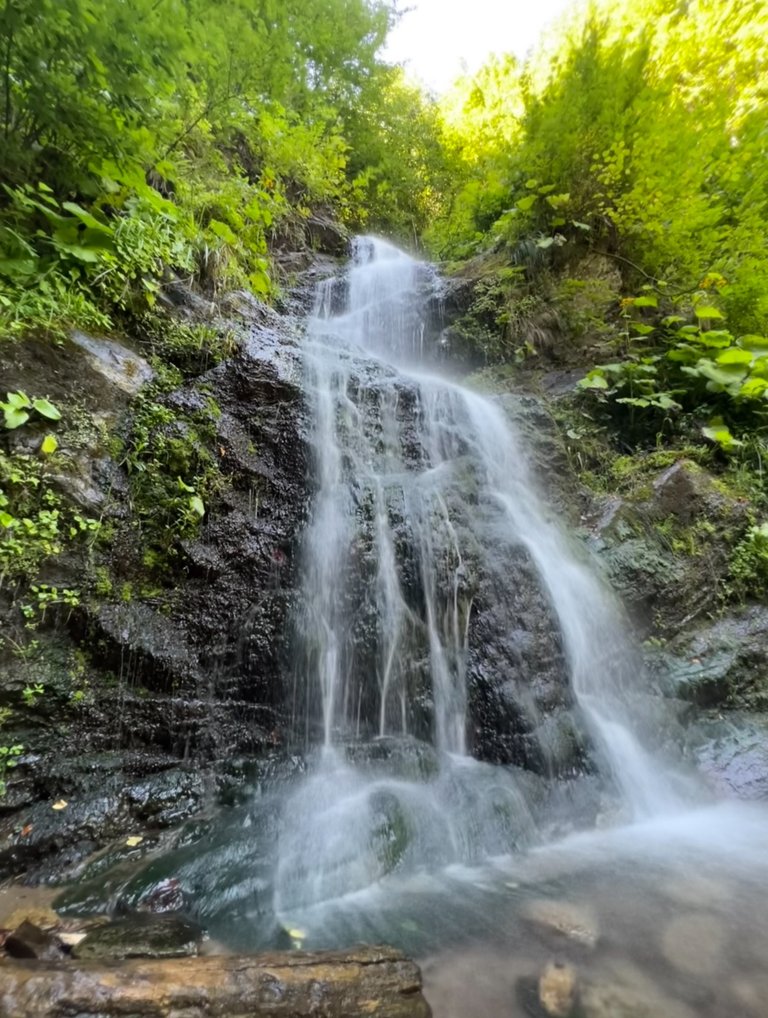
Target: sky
{"points": [[439, 39]]}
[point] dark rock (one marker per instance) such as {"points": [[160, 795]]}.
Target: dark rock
{"points": [[144, 936], [37, 837], [724, 663], [732, 750], [29, 941], [327, 235], [165, 896], [665, 549]]}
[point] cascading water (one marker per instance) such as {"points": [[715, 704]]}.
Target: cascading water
{"points": [[423, 487]]}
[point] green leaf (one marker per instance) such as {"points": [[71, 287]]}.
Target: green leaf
{"points": [[581, 226], [647, 300], [725, 376], [15, 418], [593, 381], [714, 338], [6, 520], [707, 311], [197, 505], [641, 328], [223, 231], [666, 402], [49, 445], [752, 342], [18, 400], [753, 388], [635, 401], [720, 434], [527, 203], [735, 356], [86, 218], [46, 409], [545, 242], [260, 283]]}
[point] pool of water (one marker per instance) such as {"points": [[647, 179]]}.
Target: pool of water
{"points": [[661, 919]]}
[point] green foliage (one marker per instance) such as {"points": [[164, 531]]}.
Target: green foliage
{"points": [[18, 408], [749, 563], [9, 758], [674, 365], [35, 523], [172, 473], [182, 137], [647, 145]]}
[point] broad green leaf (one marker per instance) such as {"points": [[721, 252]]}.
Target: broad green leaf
{"points": [[527, 203], [15, 418], [14, 268], [646, 300], [641, 328], [49, 445], [18, 400], [593, 381], [635, 401], [666, 402], [86, 218], [259, 282], [752, 342], [6, 520], [46, 409], [753, 388], [707, 311], [734, 356], [722, 375], [720, 434], [545, 242], [223, 231], [715, 339], [197, 505]]}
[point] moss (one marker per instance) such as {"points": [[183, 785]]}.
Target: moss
{"points": [[170, 456]]}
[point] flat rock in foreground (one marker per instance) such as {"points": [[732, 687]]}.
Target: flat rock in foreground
{"points": [[376, 982]]}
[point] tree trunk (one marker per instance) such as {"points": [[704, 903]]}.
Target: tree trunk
{"points": [[368, 982]]}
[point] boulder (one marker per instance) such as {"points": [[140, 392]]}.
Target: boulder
{"points": [[141, 936]]}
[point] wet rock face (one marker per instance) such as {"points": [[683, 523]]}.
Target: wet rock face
{"points": [[732, 751], [720, 665], [220, 638], [183, 666], [665, 550], [516, 674]]}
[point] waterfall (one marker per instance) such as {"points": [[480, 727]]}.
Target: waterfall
{"points": [[421, 487]]}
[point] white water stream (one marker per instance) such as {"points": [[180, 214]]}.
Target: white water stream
{"points": [[421, 485]]}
